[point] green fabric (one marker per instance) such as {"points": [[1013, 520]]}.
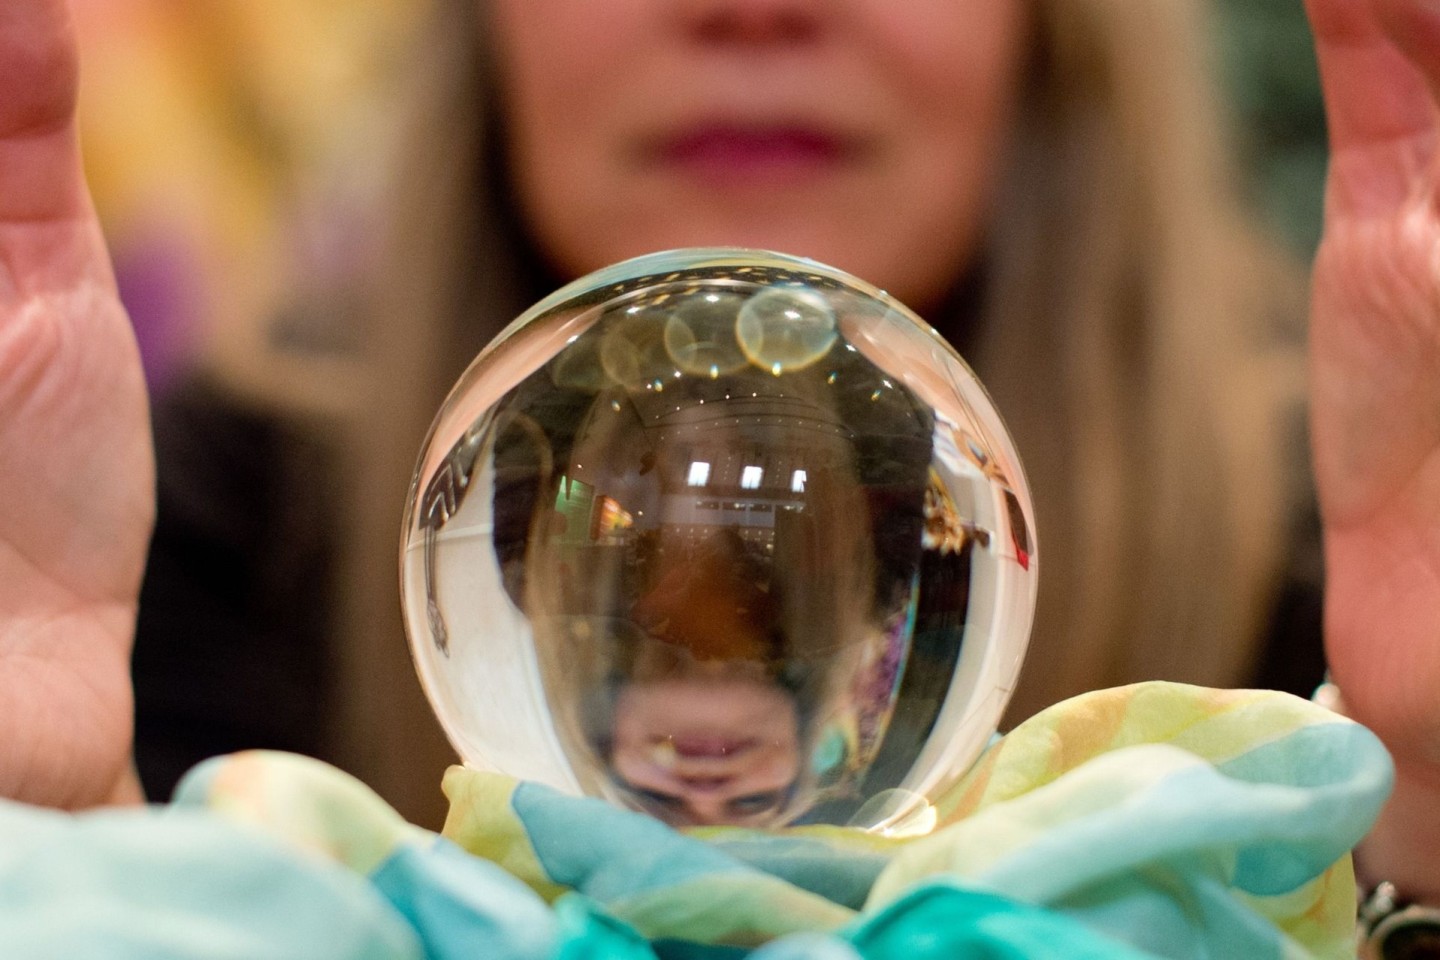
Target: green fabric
{"points": [[1144, 822]]}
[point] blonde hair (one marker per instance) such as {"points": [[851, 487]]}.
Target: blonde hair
{"points": [[1129, 330], [1134, 342]]}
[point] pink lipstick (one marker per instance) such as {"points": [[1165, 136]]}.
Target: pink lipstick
{"points": [[730, 152]]}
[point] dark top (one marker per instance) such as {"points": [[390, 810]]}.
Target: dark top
{"points": [[232, 648]]}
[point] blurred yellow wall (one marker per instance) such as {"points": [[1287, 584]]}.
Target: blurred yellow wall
{"points": [[225, 140]]}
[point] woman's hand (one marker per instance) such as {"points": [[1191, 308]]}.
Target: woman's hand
{"points": [[76, 474], [1375, 368]]}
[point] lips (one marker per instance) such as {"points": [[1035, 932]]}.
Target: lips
{"points": [[730, 151], [706, 746]]}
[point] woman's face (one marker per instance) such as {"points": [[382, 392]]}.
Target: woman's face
{"points": [[719, 749], [862, 133]]}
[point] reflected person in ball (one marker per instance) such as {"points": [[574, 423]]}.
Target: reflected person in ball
{"points": [[725, 536]]}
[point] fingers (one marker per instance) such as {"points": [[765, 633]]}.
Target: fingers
{"points": [[1413, 26], [1374, 56], [39, 161], [37, 65]]}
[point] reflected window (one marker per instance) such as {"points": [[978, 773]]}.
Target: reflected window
{"points": [[797, 481], [750, 478], [699, 473]]}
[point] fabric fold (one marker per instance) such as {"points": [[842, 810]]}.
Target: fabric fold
{"points": [[1154, 821]]}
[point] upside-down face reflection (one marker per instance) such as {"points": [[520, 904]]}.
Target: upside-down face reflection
{"points": [[720, 746], [702, 731]]}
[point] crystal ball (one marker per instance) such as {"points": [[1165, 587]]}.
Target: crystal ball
{"points": [[725, 536]]}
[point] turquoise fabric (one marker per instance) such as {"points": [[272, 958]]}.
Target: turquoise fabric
{"points": [[809, 863], [454, 901], [941, 921], [176, 884], [1157, 821], [614, 853]]}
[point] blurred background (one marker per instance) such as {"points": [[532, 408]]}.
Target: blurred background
{"points": [[232, 147], [229, 145]]}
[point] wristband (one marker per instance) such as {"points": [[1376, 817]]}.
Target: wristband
{"points": [[1390, 928]]}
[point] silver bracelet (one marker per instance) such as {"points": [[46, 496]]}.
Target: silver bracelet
{"points": [[1390, 928]]}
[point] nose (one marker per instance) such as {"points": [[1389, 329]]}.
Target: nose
{"points": [[753, 22], [705, 800]]}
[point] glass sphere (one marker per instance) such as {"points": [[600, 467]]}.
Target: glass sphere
{"points": [[726, 536]]}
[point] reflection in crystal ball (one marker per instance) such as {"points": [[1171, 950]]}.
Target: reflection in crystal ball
{"points": [[725, 536]]}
